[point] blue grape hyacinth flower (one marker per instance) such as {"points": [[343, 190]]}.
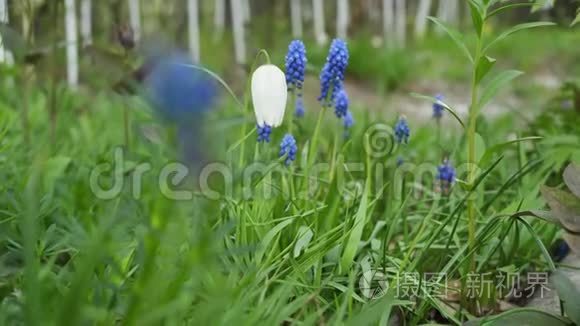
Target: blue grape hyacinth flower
{"points": [[295, 64], [348, 120], [179, 92], [438, 107], [299, 112], [402, 131], [341, 103], [288, 148], [332, 74], [445, 176], [264, 133]]}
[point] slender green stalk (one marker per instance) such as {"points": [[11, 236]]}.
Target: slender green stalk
{"points": [[471, 155], [247, 101], [311, 154], [438, 132], [471, 129], [312, 149], [292, 105], [314, 141]]}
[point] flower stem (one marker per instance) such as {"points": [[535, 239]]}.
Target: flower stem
{"points": [[247, 101], [312, 147], [439, 132], [292, 106], [471, 156]]}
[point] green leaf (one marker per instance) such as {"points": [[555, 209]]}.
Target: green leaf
{"points": [[476, 16], [564, 205], [522, 316], [572, 178], [373, 312], [495, 85], [479, 147], [443, 104], [269, 237], [304, 236], [483, 67], [546, 216], [523, 171], [539, 242], [569, 294], [506, 7], [455, 36], [356, 232], [515, 29], [488, 155]]}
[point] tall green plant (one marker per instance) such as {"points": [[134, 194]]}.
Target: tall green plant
{"points": [[481, 65]]}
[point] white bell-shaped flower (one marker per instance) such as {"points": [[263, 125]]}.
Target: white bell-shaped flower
{"points": [[269, 94]]}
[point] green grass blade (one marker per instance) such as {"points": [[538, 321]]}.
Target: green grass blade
{"points": [[454, 35]]}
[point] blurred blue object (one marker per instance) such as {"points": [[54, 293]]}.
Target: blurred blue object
{"points": [[437, 107], [179, 92], [559, 250]]}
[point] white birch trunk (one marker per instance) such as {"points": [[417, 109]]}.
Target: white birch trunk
{"points": [[238, 26], [86, 22], [441, 12], [388, 21], [318, 11], [193, 18], [296, 17], [448, 11], [373, 11], [342, 18], [219, 18], [247, 10], [135, 18], [72, 56], [4, 53], [421, 18], [401, 22], [307, 11], [453, 12]]}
